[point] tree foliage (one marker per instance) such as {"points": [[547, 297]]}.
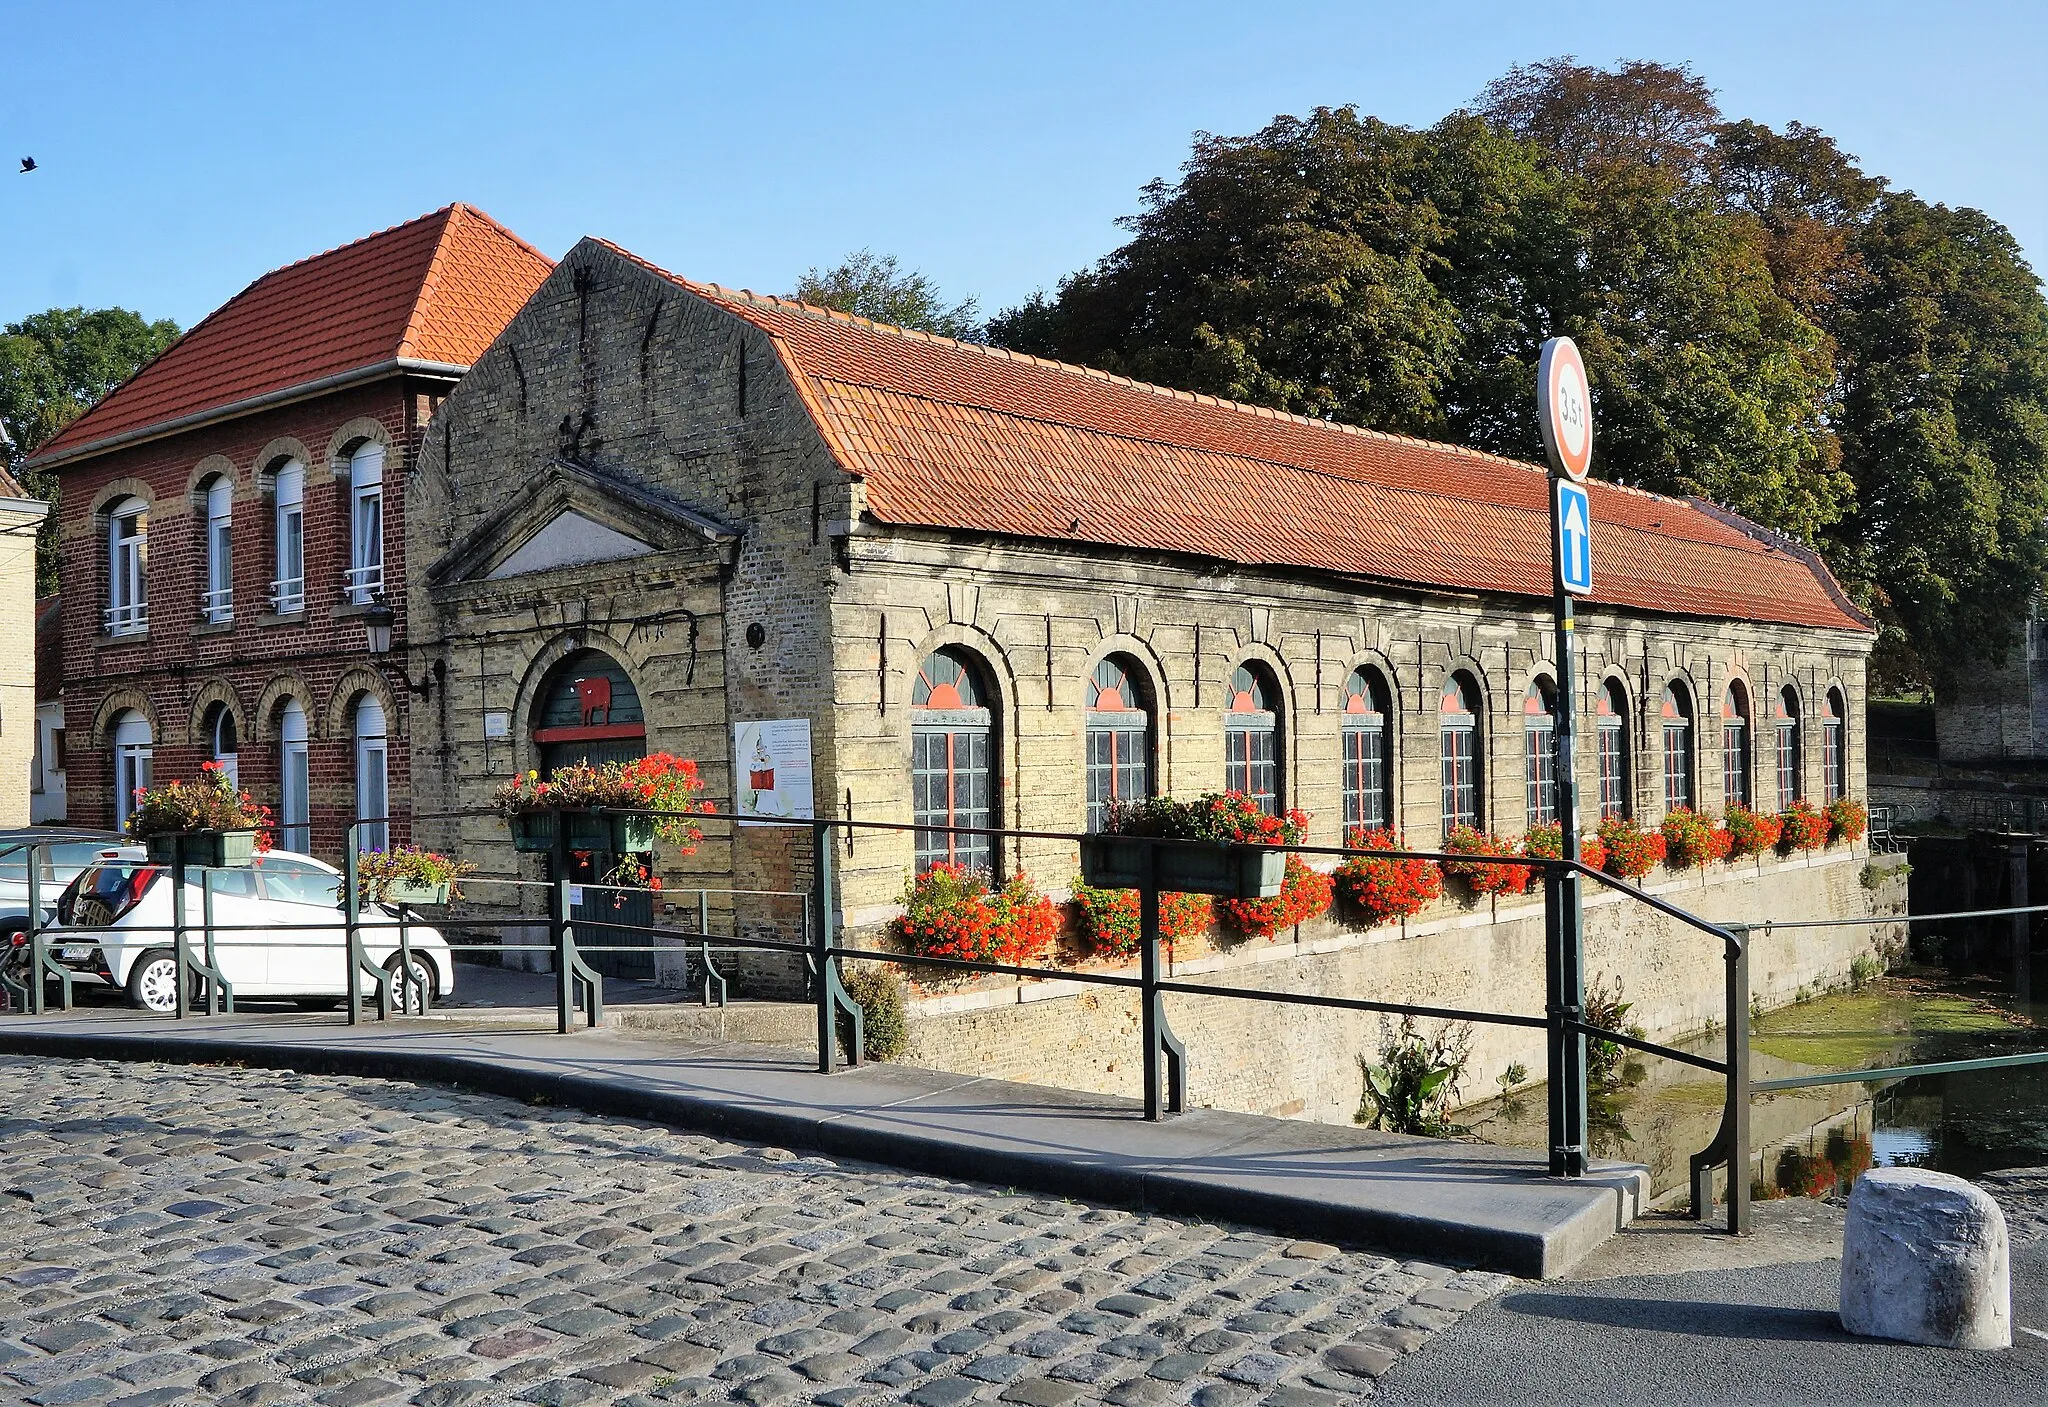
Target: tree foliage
{"points": [[874, 286], [1764, 324], [54, 366]]}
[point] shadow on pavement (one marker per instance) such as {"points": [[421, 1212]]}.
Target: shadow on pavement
{"points": [[1721, 1321]]}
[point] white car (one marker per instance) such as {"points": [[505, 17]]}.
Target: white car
{"points": [[279, 932]]}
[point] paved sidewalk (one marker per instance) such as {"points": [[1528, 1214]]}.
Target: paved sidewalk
{"points": [[1662, 1316], [221, 1237], [1451, 1202]]}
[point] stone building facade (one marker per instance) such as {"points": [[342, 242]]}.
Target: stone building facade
{"points": [[231, 517], [990, 584]]}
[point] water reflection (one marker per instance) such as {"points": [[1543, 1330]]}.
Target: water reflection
{"points": [[1662, 1112]]}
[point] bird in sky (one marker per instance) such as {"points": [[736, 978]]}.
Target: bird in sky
{"points": [[28, 164]]}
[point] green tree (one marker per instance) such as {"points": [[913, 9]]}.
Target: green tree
{"points": [[54, 366], [1944, 426], [1639, 113], [875, 287]]}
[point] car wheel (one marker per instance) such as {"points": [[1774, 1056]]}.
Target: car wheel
{"points": [[153, 982], [414, 996]]}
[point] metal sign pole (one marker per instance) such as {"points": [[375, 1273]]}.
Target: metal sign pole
{"points": [[1565, 414], [1568, 957]]}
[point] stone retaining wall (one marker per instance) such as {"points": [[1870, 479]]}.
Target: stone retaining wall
{"points": [[1303, 1061]]}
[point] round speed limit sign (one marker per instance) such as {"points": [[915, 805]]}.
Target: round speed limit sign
{"points": [[1564, 408]]}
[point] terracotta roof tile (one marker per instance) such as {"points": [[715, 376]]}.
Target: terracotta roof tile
{"points": [[435, 289], [957, 436]]}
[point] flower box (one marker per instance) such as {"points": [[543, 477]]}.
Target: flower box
{"points": [[1229, 871], [217, 850], [413, 891], [534, 832]]}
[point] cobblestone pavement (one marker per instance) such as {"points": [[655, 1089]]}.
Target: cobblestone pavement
{"points": [[202, 1234]]}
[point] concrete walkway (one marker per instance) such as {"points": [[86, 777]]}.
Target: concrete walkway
{"points": [[1438, 1200], [1662, 1316]]}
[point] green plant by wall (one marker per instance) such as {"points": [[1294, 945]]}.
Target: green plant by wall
{"points": [[884, 1008], [1606, 1009], [1415, 1082], [1865, 969]]}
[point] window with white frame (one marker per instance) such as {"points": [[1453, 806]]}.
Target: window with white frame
{"points": [[127, 610], [1119, 738], [134, 744], [373, 789], [951, 780], [222, 741], [1735, 745], [295, 832], [288, 587], [1366, 743], [217, 601], [1676, 712], [365, 575], [1785, 720], [1610, 723], [1539, 753], [1458, 747], [1251, 737], [1834, 758]]}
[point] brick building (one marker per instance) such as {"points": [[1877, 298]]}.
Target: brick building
{"points": [[1004, 590], [232, 512]]}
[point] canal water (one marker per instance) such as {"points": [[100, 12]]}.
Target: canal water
{"points": [[1810, 1140]]}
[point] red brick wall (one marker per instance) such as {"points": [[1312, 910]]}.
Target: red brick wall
{"points": [[321, 656]]}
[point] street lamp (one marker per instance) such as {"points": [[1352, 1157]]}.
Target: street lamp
{"points": [[378, 617]]}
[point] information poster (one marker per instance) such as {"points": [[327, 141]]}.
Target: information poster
{"points": [[771, 762]]}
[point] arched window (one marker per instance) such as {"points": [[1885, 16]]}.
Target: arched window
{"points": [[373, 781], [1834, 757], [1458, 735], [294, 824], [1610, 723], [951, 783], [133, 747], [1539, 741], [217, 602], [1367, 741], [127, 611], [221, 743], [1677, 715], [365, 575], [288, 492], [1735, 745], [1786, 719], [1251, 737], [1119, 737]]}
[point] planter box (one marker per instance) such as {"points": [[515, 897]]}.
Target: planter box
{"points": [[533, 832], [412, 891], [1227, 871], [218, 850]]}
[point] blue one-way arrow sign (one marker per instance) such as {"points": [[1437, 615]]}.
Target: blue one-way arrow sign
{"points": [[1574, 538]]}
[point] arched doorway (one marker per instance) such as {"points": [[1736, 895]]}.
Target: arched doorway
{"points": [[588, 711]]}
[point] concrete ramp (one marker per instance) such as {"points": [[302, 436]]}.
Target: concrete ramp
{"points": [[1434, 1199]]}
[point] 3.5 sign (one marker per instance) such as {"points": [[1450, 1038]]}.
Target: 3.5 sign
{"points": [[1564, 408]]}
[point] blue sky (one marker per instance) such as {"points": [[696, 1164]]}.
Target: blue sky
{"points": [[186, 149]]}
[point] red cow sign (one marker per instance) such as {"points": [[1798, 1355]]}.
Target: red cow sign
{"points": [[592, 697]]}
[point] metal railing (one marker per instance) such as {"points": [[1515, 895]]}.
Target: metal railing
{"points": [[129, 618], [580, 991], [288, 595], [217, 607]]}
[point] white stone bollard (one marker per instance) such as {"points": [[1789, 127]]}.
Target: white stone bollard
{"points": [[1925, 1259]]}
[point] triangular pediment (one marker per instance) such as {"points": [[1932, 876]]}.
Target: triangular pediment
{"points": [[569, 539], [573, 516]]}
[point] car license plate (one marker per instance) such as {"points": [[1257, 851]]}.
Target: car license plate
{"points": [[73, 952]]}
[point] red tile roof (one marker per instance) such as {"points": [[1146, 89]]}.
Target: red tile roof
{"points": [[957, 436], [437, 289]]}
